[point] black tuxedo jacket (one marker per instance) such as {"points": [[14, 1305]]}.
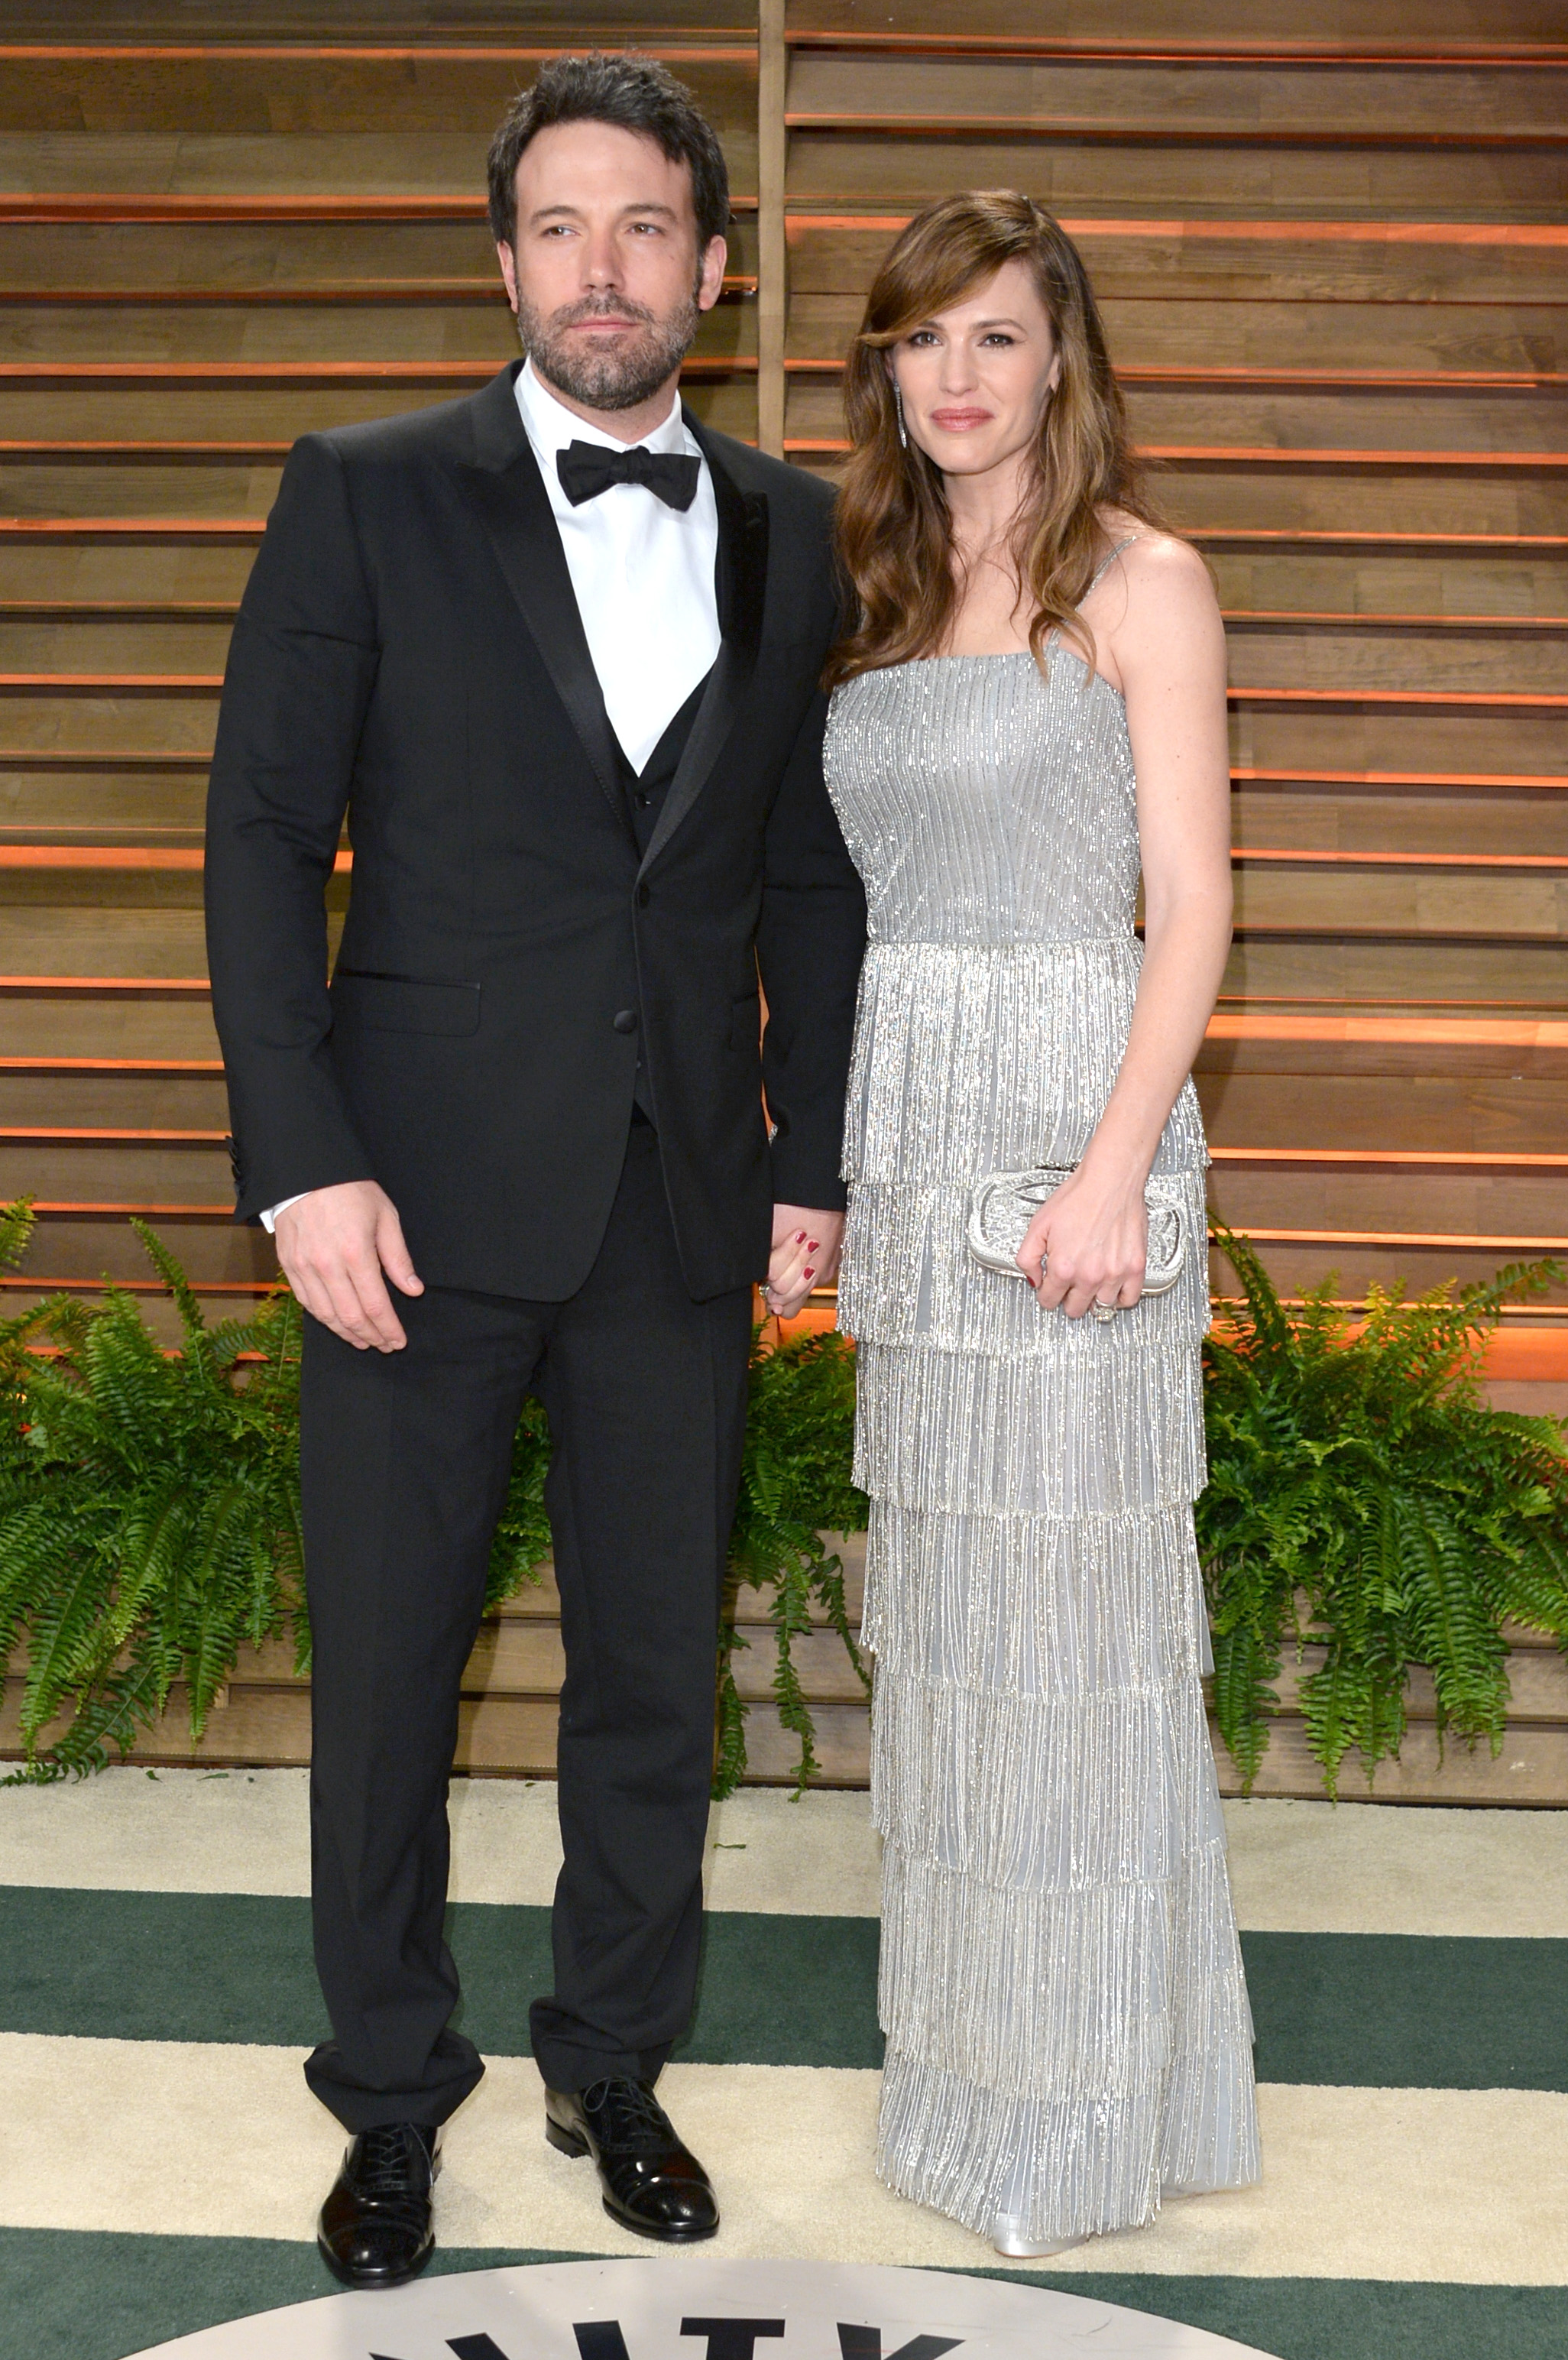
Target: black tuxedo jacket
{"points": [[409, 652]]}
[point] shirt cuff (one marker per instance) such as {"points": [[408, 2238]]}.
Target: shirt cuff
{"points": [[270, 1218]]}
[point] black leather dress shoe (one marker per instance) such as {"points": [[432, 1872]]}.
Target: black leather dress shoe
{"points": [[375, 2229], [652, 2183]]}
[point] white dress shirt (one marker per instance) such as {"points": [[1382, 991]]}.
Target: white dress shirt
{"points": [[644, 574]]}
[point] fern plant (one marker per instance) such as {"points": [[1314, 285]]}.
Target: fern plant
{"points": [[1364, 1499], [149, 1513], [795, 1481]]}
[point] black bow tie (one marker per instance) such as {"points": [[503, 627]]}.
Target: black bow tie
{"points": [[586, 469]]}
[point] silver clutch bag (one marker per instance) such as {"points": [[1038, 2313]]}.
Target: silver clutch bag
{"points": [[1002, 1205]]}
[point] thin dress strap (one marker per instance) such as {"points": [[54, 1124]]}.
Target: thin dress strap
{"points": [[1101, 570]]}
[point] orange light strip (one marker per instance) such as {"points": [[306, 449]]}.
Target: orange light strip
{"points": [[111, 1064], [1349, 233], [1396, 1158], [1469, 699], [74, 1209], [708, 47], [1471, 860], [122, 987], [1462, 779], [1285, 619], [1403, 1237], [1205, 454], [157, 858], [199, 684], [1392, 1032]]}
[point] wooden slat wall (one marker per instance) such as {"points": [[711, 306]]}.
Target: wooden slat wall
{"points": [[219, 229], [1331, 251]]}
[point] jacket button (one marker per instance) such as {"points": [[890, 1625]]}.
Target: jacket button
{"points": [[625, 1020], [642, 897]]}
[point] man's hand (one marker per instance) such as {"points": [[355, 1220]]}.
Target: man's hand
{"points": [[333, 1245], [805, 1254]]}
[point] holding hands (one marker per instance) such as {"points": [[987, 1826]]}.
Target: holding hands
{"points": [[805, 1254]]}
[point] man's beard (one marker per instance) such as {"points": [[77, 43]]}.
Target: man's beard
{"points": [[609, 379]]}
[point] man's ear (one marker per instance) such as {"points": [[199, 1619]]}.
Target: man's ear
{"points": [[508, 259], [711, 279]]}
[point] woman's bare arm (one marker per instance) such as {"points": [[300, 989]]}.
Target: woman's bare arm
{"points": [[1160, 638]]}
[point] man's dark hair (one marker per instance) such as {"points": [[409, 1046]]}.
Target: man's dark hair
{"points": [[635, 94]]}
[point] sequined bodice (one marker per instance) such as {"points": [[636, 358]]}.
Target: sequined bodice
{"points": [[985, 804], [991, 813]]}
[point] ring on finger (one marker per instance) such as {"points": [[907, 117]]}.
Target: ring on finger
{"points": [[1104, 1312]]}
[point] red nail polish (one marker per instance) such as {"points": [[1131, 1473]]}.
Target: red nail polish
{"points": [[800, 1237], [812, 1247], [806, 1273]]}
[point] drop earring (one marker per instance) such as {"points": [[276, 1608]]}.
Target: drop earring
{"points": [[898, 408]]}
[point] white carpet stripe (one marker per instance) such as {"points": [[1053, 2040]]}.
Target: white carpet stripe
{"points": [[223, 2141], [1363, 1868]]}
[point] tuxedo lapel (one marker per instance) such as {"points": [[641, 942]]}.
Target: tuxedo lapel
{"points": [[741, 592], [509, 491]]}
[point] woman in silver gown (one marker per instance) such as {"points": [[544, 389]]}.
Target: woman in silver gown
{"points": [[1030, 706]]}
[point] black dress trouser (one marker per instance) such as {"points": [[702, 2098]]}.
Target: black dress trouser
{"points": [[404, 1462]]}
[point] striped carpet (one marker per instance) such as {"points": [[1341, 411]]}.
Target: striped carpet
{"points": [[161, 2160]]}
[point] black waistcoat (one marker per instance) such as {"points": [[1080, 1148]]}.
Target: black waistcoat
{"points": [[645, 791]]}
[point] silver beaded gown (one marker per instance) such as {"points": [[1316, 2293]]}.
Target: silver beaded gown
{"points": [[1067, 2024]]}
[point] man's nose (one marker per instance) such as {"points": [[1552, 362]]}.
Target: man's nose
{"points": [[600, 263]]}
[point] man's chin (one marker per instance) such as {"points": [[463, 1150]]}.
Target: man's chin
{"points": [[611, 381]]}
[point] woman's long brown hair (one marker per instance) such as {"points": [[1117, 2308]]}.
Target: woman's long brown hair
{"points": [[894, 533]]}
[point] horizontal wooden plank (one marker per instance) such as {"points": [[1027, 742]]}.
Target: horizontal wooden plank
{"points": [[1283, 230], [253, 205], [1414, 51], [1387, 1240], [1334, 619], [1463, 782], [266, 295], [1531, 1771], [1172, 456], [179, 611], [1262, 855], [157, 859], [158, 376], [1125, 132], [1267, 375], [210, 684]]}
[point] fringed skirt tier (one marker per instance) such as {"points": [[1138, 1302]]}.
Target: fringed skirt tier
{"points": [[1068, 2032]]}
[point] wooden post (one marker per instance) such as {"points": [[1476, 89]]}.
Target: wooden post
{"points": [[772, 259]]}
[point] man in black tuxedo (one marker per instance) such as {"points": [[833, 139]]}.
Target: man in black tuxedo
{"points": [[554, 653]]}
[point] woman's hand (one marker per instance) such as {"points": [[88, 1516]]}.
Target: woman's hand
{"points": [[1088, 1244]]}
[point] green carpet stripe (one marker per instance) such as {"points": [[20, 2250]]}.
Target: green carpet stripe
{"points": [[98, 2296], [1377, 2011]]}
